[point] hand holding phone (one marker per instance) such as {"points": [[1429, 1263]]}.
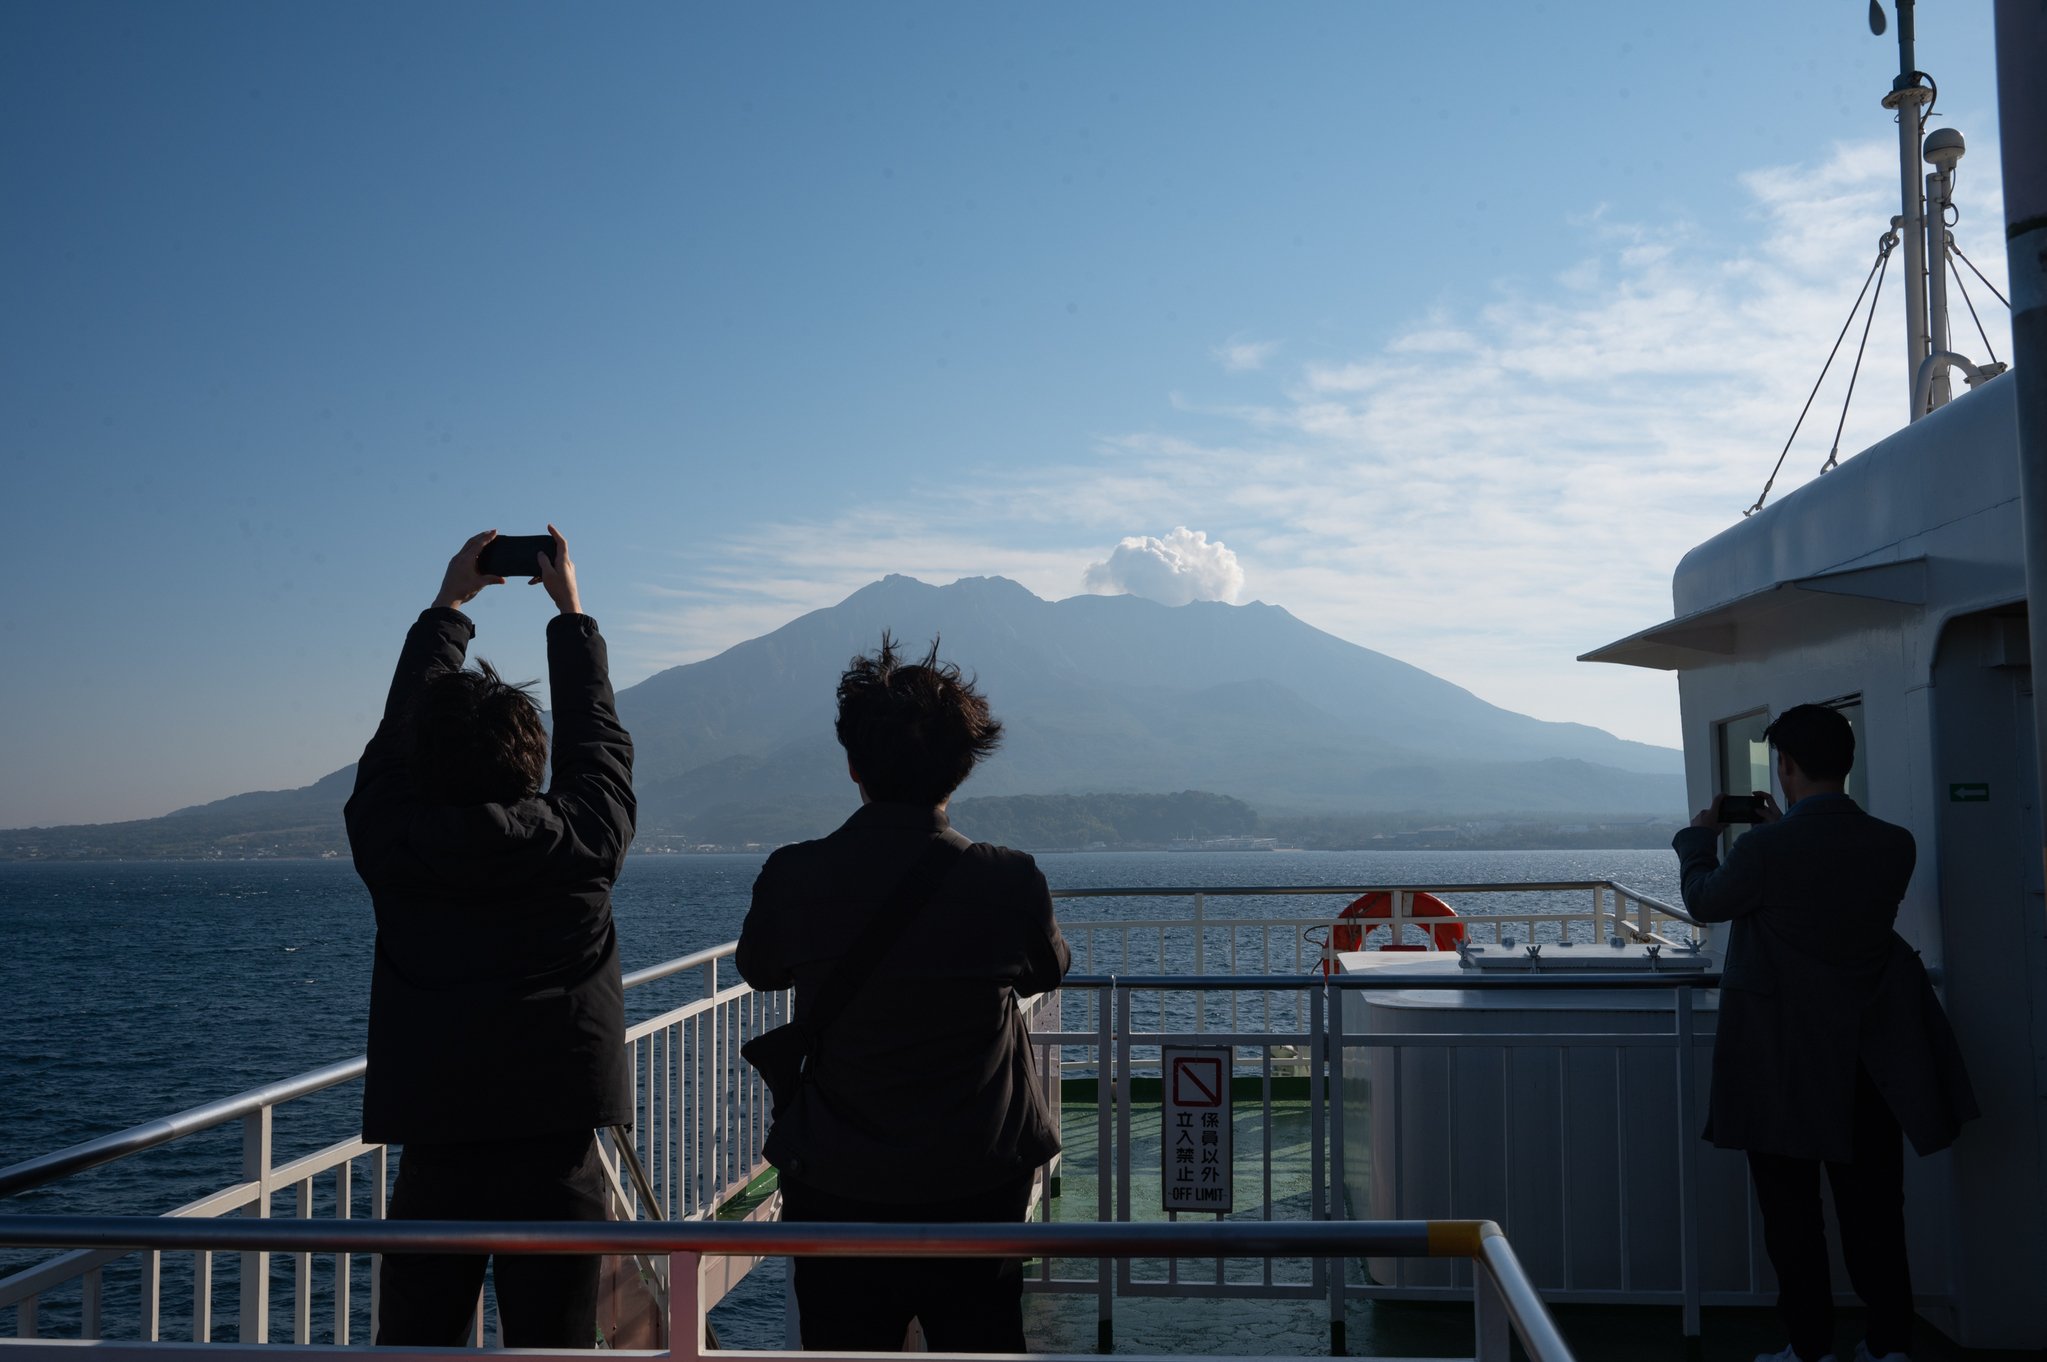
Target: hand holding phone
{"points": [[466, 575]]}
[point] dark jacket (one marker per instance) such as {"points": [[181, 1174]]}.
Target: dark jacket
{"points": [[923, 1088], [496, 1009], [1818, 983]]}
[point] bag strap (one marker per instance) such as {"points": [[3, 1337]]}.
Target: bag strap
{"points": [[910, 895]]}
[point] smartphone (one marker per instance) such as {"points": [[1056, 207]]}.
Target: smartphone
{"points": [[515, 555], [1736, 808]]}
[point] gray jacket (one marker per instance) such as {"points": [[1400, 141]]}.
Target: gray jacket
{"points": [[1818, 984]]}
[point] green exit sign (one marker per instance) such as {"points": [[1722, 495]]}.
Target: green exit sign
{"points": [[1975, 793]]}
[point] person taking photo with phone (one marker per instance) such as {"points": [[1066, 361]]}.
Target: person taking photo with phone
{"points": [[1829, 1038], [497, 1014]]}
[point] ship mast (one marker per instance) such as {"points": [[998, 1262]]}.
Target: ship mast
{"points": [[1910, 96]]}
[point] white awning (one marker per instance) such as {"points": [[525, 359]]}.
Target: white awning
{"points": [[1802, 604]]}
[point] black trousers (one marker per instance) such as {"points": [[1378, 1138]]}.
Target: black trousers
{"points": [[1869, 1203], [966, 1305], [545, 1301]]}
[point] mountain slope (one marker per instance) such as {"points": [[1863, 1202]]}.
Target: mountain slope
{"points": [[1119, 693], [1098, 694]]}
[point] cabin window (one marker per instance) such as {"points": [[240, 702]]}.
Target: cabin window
{"points": [[1744, 759], [1850, 708]]}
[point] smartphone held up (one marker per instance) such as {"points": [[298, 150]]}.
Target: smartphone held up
{"points": [[515, 555], [1739, 808]]}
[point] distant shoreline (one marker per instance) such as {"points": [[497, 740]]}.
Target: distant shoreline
{"points": [[638, 854]]}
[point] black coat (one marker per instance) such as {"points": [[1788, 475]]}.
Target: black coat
{"points": [[496, 1009], [923, 1088], [1818, 984]]}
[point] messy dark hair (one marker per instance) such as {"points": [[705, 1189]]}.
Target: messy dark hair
{"points": [[477, 739], [1816, 737], [912, 730]]}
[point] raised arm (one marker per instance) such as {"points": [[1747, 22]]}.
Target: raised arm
{"points": [[593, 754], [437, 642], [1715, 891]]}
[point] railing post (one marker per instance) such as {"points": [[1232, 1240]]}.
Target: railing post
{"points": [[710, 1097], [1326, 1066], [253, 1317], [1200, 962], [380, 1203], [685, 1309], [202, 1297], [1489, 1316], [344, 1209], [89, 1305], [1106, 1146], [152, 1295], [302, 1278], [1687, 1163]]}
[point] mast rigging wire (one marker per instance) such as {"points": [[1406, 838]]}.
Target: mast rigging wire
{"points": [[1970, 303], [1957, 252], [1834, 454], [1884, 245]]}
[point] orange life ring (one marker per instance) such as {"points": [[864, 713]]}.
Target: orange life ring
{"points": [[1350, 930]]}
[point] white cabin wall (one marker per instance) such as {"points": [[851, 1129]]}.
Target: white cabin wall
{"points": [[1987, 867]]}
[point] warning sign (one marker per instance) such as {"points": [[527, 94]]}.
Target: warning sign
{"points": [[1195, 1153]]}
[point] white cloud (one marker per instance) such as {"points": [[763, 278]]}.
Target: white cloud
{"points": [[1240, 357], [1182, 567], [1485, 493]]}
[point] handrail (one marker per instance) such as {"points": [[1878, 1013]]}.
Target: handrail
{"points": [[1390, 979], [1029, 1239], [651, 973], [1479, 1241], [77, 1158], [44, 1168], [1531, 1318], [1255, 891]]}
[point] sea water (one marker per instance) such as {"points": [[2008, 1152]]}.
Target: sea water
{"points": [[131, 990]]}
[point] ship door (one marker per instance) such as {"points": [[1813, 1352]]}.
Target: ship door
{"points": [[1993, 933]]}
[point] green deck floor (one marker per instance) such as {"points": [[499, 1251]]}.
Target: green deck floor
{"points": [[1171, 1323]]}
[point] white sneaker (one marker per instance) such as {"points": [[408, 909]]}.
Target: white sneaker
{"points": [[1790, 1354], [1863, 1354]]}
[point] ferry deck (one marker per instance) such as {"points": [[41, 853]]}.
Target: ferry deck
{"points": [[1431, 1154]]}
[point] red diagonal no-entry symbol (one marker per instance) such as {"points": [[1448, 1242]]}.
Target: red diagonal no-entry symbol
{"points": [[1207, 1092]]}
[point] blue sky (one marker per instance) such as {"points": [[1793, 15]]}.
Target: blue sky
{"points": [[1453, 324]]}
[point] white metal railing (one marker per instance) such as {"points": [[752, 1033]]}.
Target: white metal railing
{"points": [[1284, 946], [1652, 1075], [1506, 1306], [1201, 942], [701, 1112]]}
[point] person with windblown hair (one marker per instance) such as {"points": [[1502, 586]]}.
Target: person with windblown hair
{"points": [[920, 1102]]}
